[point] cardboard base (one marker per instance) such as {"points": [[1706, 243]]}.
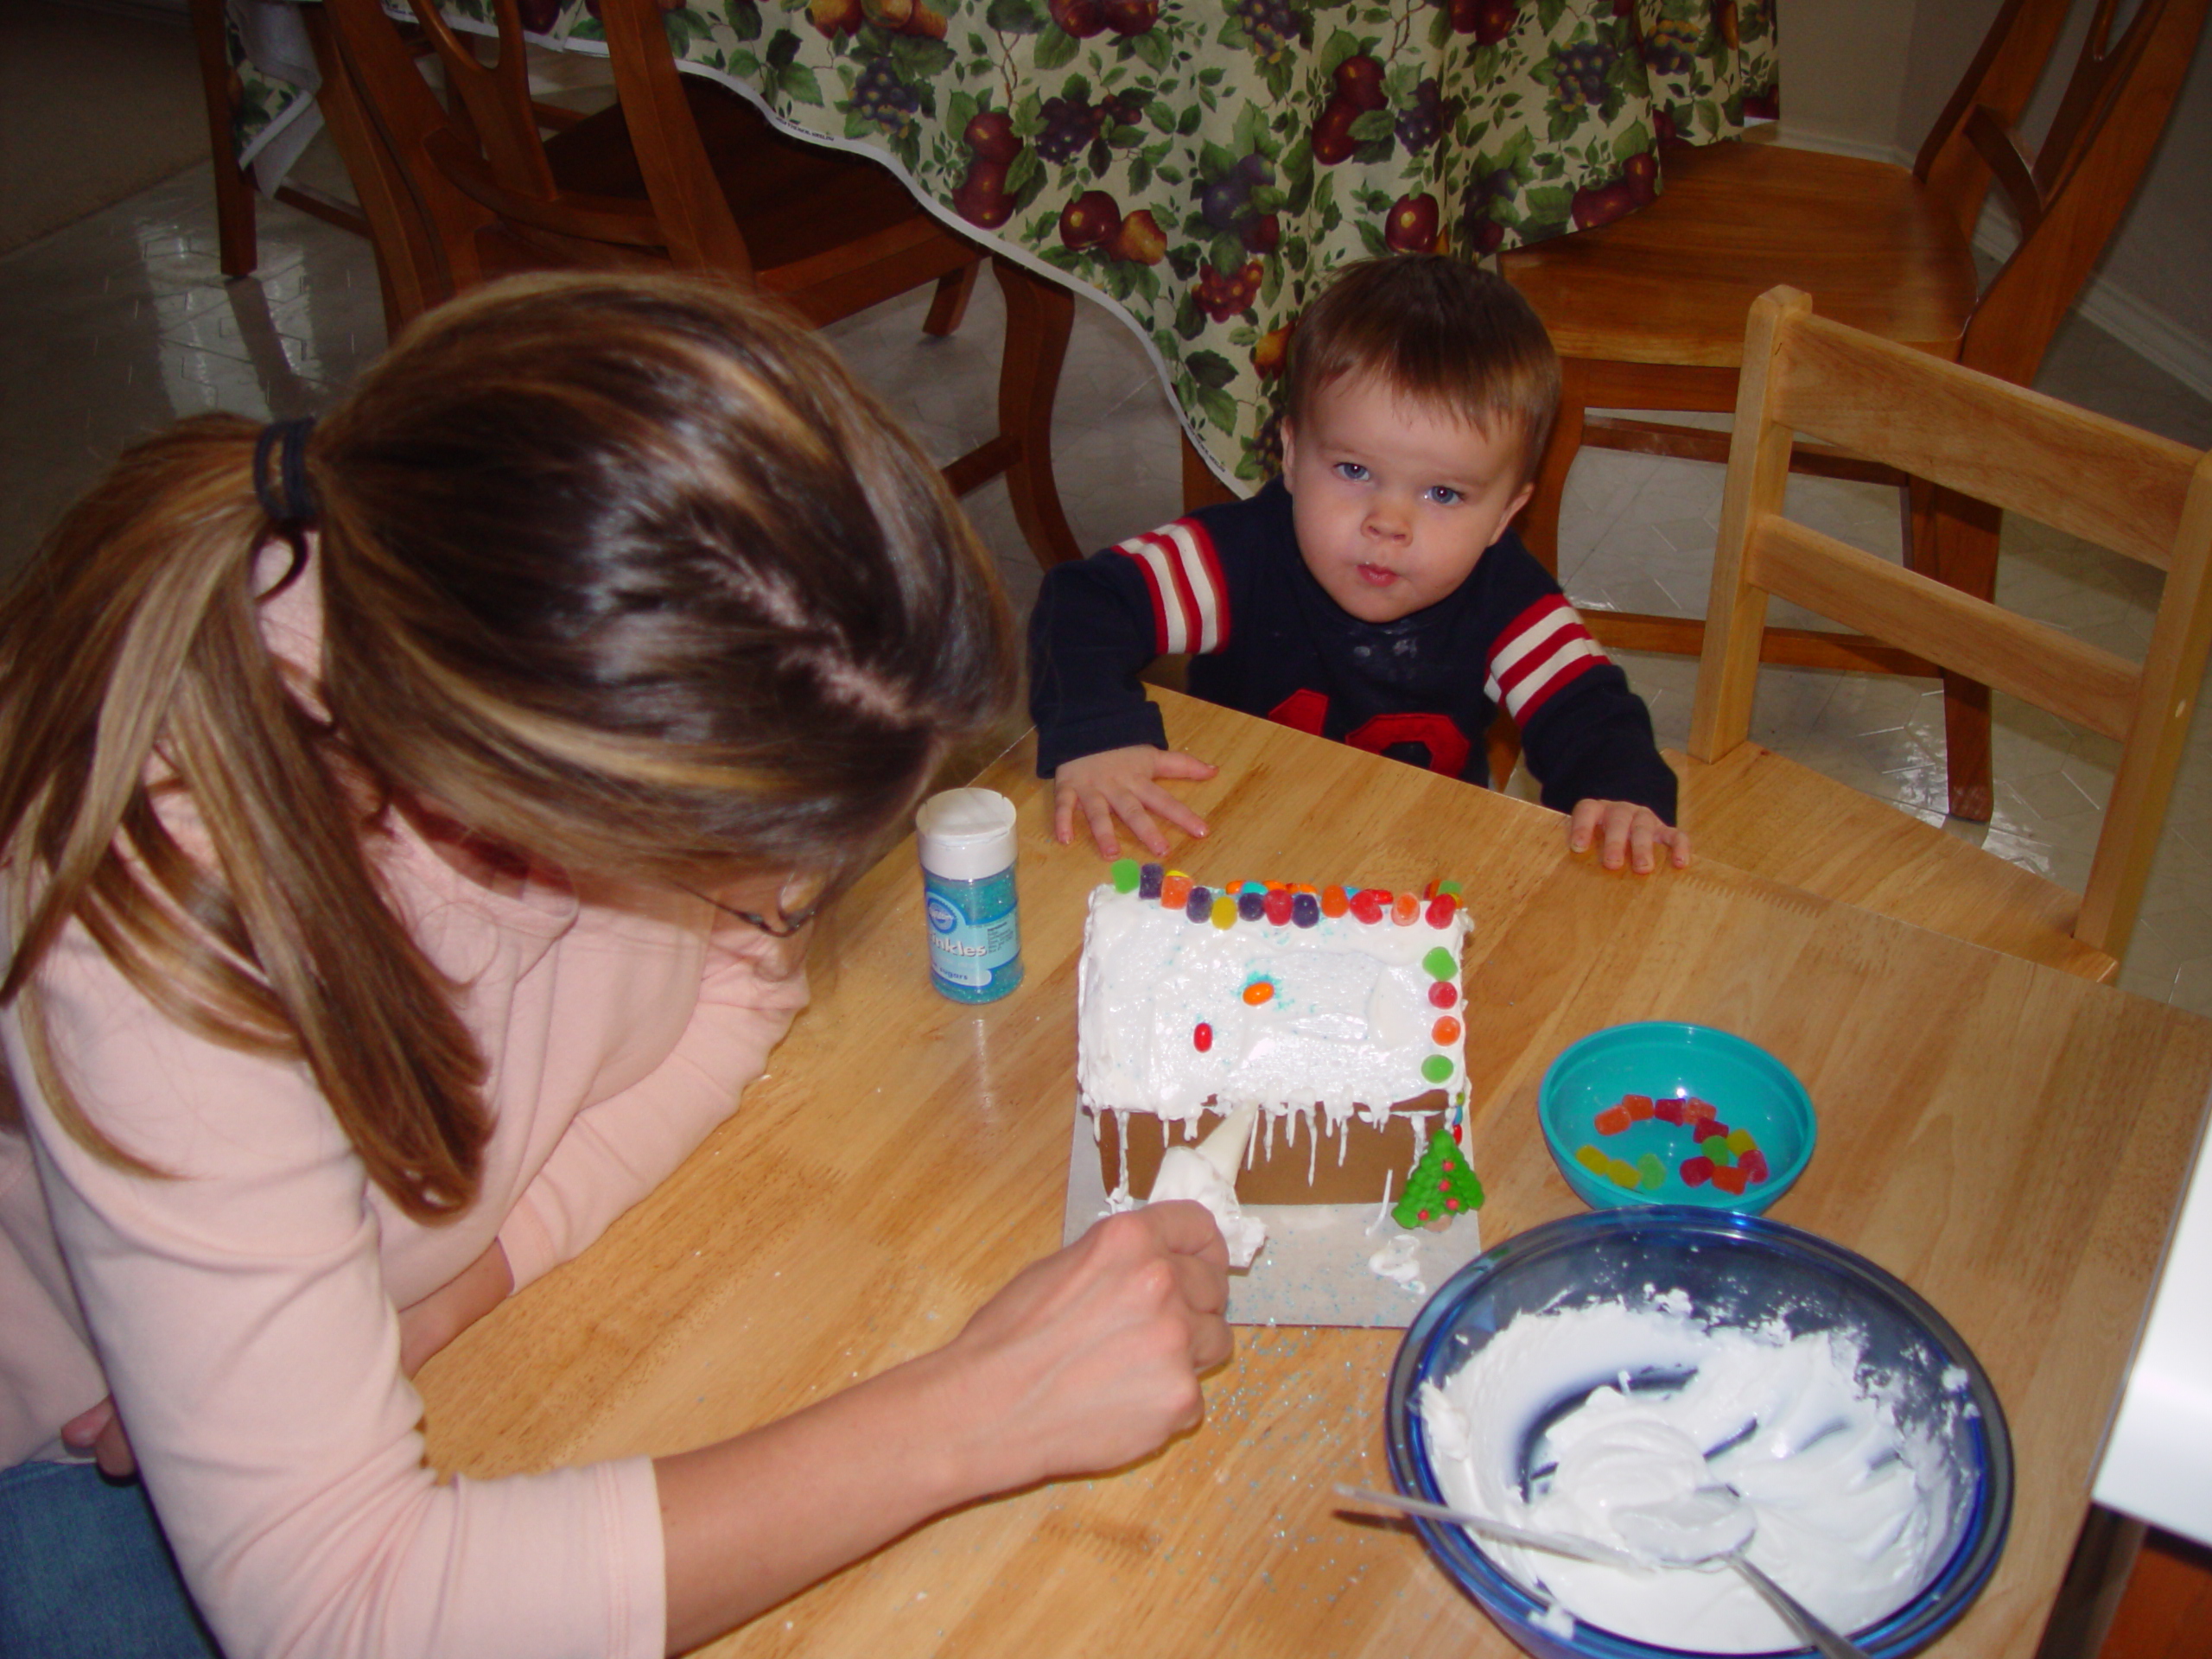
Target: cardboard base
{"points": [[1354, 1165], [1322, 1264]]}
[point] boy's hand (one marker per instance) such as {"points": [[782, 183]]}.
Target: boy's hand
{"points": [[1124, 783], [1624, 833]]}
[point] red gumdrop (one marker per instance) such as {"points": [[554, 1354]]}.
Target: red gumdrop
{"points": [[1441, 909], [1367, 905], [1695, 1107], [1714, 1127], [1638, 1106], [1729, 1179], [1753, 1164], [1442, 994], [1668, 1110], [1696, 1171], [1278, 906], [1202, 1037]]}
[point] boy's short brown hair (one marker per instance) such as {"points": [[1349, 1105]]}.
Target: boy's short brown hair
{"points": [[1439, 331]]}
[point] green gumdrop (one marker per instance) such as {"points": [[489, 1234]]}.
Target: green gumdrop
{"points": [[1654, 1173], [1441, 963], [1437, 1069], [1452, 888], [1716, 1148], [1125, 874]]}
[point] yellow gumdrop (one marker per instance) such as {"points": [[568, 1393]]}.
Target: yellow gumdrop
{"points": [[1740, 1142], [1591, 1158], [1224, 912], [1623, 1174]]}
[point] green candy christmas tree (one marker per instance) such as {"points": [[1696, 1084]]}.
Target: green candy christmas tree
{"points": [[1441, 1186]]}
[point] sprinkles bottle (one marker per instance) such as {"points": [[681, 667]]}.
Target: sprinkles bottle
{"points": [[966, 839]]}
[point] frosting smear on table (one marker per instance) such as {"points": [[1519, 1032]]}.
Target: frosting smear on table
{"points": [[1567, 1420]]}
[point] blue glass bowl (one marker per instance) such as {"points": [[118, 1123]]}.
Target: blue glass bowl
{"points": [[1749, 1088], [1736, 1270]]}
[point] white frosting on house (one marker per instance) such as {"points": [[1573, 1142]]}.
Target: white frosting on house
{"points": [[1347, 1027]]}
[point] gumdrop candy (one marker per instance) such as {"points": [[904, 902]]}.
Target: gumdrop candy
{"points": [[1445, 1032], [1277, 906], [1305, 910], [1715, 1148], [1612, 1120], [1224, 912], [1753, 1164], [1441, 909], [1730, 1179], [1123, 875], [1715, 1129], [1174, 890], [1367, 906], [1438, 1068], [1653, 1172], [1667, 1110], [1439, 963], [1150, 877], [1443, 993], [1202, 1037], [1252, 906], [1702, 1110], [1199, 905], [1638, 1106], [1448, 886], [1740, 1142], [1259, 991], [1623, 1174], [1696, 1171], [1334, 901], [1405, 909], [1591, 1158]]}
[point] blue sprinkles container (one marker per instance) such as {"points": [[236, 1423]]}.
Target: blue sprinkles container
{"points": [[969, 902]]}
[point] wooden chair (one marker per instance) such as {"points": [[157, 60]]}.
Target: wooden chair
{"points": [[678, 173], [236, 243], [2146, 497], [1648, 311]]}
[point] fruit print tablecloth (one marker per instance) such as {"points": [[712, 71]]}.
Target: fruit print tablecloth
{"points": [[1203, 165]]}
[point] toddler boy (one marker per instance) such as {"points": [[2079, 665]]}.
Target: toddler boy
{"points": [[1371, 593]]}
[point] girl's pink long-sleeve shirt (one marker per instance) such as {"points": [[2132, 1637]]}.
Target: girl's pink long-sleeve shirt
{"points": [[243, 1313]]}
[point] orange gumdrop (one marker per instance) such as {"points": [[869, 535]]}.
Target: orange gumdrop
{"points": [[1445, 1032], [1174, 890], [1639, 1106], [1333, 901], [1258, 992], [1611, 1120], [1404, 908]]}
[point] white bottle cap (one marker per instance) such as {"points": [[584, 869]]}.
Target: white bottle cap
{"points": [[965, 834]]}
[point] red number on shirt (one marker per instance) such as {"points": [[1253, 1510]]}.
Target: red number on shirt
{"points": [[1447, 746]]}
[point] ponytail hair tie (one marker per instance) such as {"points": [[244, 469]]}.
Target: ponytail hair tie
{"points": [[292, 502]]}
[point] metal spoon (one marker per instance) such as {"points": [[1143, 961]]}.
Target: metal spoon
{"points": [[1714, 1524], [1559, 1543]]}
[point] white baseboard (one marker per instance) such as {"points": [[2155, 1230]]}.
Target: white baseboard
{"points": [[2143, 328]]}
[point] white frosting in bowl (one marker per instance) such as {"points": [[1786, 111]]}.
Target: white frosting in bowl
{"points": [[1606, 1408]]}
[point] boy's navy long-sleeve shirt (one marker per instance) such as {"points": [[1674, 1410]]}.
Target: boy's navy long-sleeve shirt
{"points": [[1227, 585]]}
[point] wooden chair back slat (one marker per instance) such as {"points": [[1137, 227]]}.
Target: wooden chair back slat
{"points": [[2120, 488], [2082, 472], [496, 97], [2080, 683], [2001, 78]]}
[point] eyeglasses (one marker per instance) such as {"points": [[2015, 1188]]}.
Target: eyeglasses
{"points": [[786, 925]]}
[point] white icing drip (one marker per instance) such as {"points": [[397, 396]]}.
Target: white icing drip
{"points": [[1312, 1148]]}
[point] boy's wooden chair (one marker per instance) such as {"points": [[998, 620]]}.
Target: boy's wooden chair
{"points": [[2140, 495], [677, 174], [1648, 311]]}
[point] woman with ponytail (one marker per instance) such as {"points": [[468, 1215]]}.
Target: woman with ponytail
{"points": [[409, 825]]}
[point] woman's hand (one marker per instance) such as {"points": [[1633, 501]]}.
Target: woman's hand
{"points": [[1091, 1357], [430, 1325]]}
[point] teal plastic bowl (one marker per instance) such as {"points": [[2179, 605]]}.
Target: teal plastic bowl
{"points": [[1747, 1087]]}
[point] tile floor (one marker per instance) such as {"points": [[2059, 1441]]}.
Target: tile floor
{"points": [[122, 322]]}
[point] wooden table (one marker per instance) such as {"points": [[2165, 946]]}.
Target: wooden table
{"points": [[2007, 1139]]}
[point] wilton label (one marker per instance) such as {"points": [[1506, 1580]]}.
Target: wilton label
{"points": [[975, 936]]}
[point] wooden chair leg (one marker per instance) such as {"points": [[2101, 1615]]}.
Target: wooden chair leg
{"points": [[1503, 744], [1962, 533], [1539, 522], [1039, 316], [1200, 487], [234, 228], [950, 304]]}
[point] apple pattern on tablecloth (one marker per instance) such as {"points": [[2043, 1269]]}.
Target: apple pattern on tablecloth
{"points": [[1206, 164]]}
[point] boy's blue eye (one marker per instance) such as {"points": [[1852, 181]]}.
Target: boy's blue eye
{"points": [[1444, 495], [1352, 471]]}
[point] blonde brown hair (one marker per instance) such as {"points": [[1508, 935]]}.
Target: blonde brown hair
{"points": [[623, 571], [1439, 331]]}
